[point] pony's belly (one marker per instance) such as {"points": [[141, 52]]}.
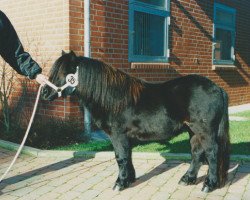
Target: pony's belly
{"points": [[144, 133], [148, 136], [152, 127]]}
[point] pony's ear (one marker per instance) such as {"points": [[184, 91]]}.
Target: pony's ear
{"points": [[63, 52], [72, 53]]}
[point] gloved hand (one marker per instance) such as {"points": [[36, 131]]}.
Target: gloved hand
{"points": [[41, 79]]}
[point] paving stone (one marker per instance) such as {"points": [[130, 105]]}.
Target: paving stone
{"points": [[8, 197], [230, 196], [180, 195], [38, 184], [69, 195], [87, 184], [220, 192], [102, 186], [30, 196], [157, 181], [246, 195], [43, 190], [198, 194], [57, 178], [194, 198], [248, 186], [212, 196], [129, 193], [146, 192], [90, 194], [49, 196], [22, 192], [106, 194], [160, 196], [236, 189], [120, 197], [57, 182], [67, 186]]}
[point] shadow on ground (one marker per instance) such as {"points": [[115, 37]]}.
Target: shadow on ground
{"points": [[232, 177], [43, 170], [163, 167]]}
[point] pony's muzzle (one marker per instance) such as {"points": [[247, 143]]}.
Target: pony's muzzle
{"points": [[48, 93], [45, 92]]}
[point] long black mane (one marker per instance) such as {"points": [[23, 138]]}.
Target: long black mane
{"points": [[109, 87]]}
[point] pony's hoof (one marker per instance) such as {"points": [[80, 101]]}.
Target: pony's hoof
{"points": [[186, 180], [117, 188], [206, 189], [209, 186], [181, 182]]}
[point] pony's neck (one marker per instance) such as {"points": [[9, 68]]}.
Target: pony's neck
{"points": [[109, 88]]}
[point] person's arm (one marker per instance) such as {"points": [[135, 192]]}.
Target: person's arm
{"points": [[12, 51]]}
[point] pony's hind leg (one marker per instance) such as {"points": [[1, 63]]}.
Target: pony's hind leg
{"points": [[123, 155], [189, 178], [204, 148], [211, 152]]}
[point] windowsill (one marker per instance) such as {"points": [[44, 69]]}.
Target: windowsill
{"points": [[224, 67], [144, 65]]}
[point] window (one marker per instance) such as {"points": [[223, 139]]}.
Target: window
{"points": [[148, 30], [224, 34]]}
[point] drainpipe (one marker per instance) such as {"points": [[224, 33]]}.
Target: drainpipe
{"points": [[87, 116]]}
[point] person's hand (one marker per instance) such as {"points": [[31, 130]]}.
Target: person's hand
{"points": [[41, 79]]}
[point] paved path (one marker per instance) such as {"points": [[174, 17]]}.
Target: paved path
{"points": [[54, 178]]}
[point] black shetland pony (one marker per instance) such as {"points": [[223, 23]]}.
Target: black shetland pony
{"points": [[126, 107]]}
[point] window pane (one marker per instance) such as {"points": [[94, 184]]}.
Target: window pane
{"points": [[161, 3], [225, 18], [148, 34], [223, 44]]}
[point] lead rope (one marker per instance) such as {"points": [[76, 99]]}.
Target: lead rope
{"points": [[25, 136], [71, 81]]}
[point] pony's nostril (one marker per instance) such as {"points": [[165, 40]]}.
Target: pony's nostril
{"points": [[45, 92]]}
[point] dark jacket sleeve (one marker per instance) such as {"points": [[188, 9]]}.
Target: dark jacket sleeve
{"points": [[12, 51]]}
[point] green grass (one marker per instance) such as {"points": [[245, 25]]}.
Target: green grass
{"points": [[240, 137], [91, 146], [243, 114], [239, 133]]}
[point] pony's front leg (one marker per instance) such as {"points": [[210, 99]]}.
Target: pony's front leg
{"points": [[123, 155]]}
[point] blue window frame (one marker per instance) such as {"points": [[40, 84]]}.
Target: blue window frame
{"points": [[224, 34], [148, 30]]}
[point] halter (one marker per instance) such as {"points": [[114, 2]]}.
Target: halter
{"points": [[71, 81]]}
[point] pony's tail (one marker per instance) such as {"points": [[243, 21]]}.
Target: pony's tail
{"points": [[223, 144]]}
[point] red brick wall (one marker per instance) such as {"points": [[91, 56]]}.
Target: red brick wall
{"points": [[45, 30], [109, 32], [76, 26], [47, 27], [191, 33]]}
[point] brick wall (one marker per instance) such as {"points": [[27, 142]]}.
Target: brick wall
{"points": [[191, 34], [43, 28], [41, 25], [109, 32], [46, 27], [76, 26]]}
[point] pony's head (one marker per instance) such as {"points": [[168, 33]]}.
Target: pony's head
{"points": [[64, 65]]}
